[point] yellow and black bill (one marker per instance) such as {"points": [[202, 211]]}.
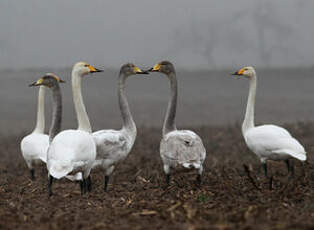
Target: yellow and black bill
{"points": [[37, 83], [139, 71], [92, 69], [155, 68], [239, 73]]}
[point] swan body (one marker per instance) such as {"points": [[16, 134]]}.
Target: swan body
{"points": [[71, 151], [178, 147], [268, 142], [113, 146], [34, 148], [182, 148]]}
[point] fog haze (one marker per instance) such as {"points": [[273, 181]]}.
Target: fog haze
{"points": [[193, 34]]}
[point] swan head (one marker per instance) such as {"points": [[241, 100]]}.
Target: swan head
{"points": [[50, 80], [83, 68], [131, 69], [247, 71], [165, 67]]}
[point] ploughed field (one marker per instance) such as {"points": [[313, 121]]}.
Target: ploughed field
{"points": [[137, 197]]}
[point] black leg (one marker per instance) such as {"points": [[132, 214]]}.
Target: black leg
{"points": [[271, 183], [290, 167], [265, 169], [106, 183], [167, 179], [199, 180], [89, 184], [266, 175], [50, 181], [83, 186], [32, 171]]}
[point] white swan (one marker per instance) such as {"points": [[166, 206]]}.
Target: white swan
{"points": [[34, 146], [178, 147], [71, 151], [268, 142], [114, 145]]}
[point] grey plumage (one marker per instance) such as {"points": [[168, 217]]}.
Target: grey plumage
{"points": [[178, 147]]}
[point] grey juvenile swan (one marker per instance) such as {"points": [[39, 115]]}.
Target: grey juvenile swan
{"points": [[178, 147], [114, 145]]}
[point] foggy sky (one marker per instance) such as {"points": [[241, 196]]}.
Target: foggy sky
{"points": [[193, 34]]}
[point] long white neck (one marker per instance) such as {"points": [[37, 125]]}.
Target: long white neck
{"points": [[81, 114], [249, 114], [40, 123]]}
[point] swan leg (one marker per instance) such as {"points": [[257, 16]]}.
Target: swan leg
{"points": [[199, 176], [83, 186], [167, 172], [290, 167], [32, 172], [50, 181], [108, 171], [266, 175], [106, 183], [89, 184]]}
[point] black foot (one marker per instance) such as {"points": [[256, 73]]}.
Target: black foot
{"points": [[32, 171], [89, 184], [50, 181], [106, 183]]}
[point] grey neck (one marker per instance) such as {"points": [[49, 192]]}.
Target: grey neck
{"points": [[40, 123], [169, 122], [249, 114], [128, 122], [81, 114], [56, 112]]}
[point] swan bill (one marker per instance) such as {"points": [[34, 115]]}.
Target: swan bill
{"points": [[92, 69], [37, 83], [239, 73], [139, 71], [41, 81], [156, 68]]}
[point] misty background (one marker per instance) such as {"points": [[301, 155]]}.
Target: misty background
{"points": [[198, 34], [206, 40]]}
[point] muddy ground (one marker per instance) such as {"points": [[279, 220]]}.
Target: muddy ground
{"points": [[138, 199]]}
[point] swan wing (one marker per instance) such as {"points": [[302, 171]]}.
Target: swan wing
{"points": [[273, 142], [34, 146], [110, 143], [184, 147], [69, 150]]}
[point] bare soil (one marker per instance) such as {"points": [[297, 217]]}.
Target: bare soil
{"points": [[137, 197]]}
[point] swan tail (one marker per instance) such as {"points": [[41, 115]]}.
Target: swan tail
{"points": [[191, 165], [77, 176], [43, 159], [58, 170], [300, 156]]}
